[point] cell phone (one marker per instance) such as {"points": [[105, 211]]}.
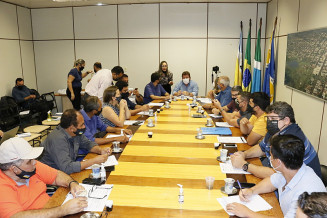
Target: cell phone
{"points": [[198, 116], [230, 145], [244, 185]]}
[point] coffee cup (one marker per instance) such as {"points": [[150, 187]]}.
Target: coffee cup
{"points": [[229, 184], [96, 171], [116, 146], [151, 112], [223, 154]]}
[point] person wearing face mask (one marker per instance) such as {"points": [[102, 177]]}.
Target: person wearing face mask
{"points": [[74, 84], [242, 106], [154, 90], [292, 178], [186, 87], [95, 128], [256, 127], [280, 121], [62, 145], [133, 108], [231, 107], [99, 82], [22, 94], [166, 77], [115, 110], [23, 183]]}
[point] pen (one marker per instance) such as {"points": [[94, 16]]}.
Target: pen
{"points": [[242, 139], [239, 184]]}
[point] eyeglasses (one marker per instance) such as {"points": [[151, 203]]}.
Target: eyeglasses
{"points": [[96, 193], [238, 102], [278, 118]]}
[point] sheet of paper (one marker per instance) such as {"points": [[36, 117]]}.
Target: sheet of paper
{"points": [[156, 104], [23, 135], [143, 113], [114, 135], [257, 203], [111, 161], [231, 139], [94, 192], [59, 113], [215, 116], [131, 122], [204, 100], [227, 167], [223, 124]]}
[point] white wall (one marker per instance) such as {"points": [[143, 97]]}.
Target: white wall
{"points": [[16, 47], [296, 16], [193, 37]]}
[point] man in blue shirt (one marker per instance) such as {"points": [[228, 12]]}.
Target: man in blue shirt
{"points": [[280, 121], [154, 91], [186, 87], [22, 94], [94, 125], [291, 179]]}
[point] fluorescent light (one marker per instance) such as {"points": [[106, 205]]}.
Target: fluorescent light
{"points": [[99, 4]]}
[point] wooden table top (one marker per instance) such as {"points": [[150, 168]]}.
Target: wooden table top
{"points": [[145, 180]]}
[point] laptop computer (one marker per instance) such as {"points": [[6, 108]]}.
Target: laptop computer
{"points": [[9, 134]]}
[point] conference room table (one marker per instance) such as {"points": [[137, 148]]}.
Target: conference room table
{"points": [[145, 180]]}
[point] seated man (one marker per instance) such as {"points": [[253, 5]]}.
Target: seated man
{"points": [[291, 179], [99, 82], [133, 108], [312, 205], [62, 144], [255, 127], [154, 91], [225, 94], [186, 87], [231, 107], [23, 183], [95, 128], [134, 96], [280, 121], [242, 105]]}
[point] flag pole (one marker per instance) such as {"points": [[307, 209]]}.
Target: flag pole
{"points": [[242, 49]]}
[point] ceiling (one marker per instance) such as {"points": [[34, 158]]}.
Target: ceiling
{"points": [[69, 3]]}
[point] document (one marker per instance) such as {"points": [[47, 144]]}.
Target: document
{"points": [[215, 116], [204, 100], [231, 139], [216, 131], [143, 113], [96, 196], [223, 124], [227, 167], [114, 135], [111, 161], [23, 135], [257, 203], [131, 122], [156, 104], [24, 112]]}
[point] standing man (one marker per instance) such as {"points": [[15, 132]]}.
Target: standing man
{"points": [[23, 183], [99, 82], [154, 91], [187, 86], [62, 144]]}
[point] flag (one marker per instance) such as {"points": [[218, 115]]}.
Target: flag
{"points": [[256, 80], [268, 84], [246, 83], [238, 65]]}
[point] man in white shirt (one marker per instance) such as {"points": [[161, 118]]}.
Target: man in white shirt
{"points": [[99, 82]]}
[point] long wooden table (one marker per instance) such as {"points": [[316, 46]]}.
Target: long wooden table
{"points": [[145, 180]]}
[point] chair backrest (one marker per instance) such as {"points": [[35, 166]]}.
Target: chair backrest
{"points": [[324, 174], [51, 99], [9, 113]]}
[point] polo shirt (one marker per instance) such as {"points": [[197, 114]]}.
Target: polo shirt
{"points": [[224, 97], [150, 89], [98, 83], [61, 150], [310, 155], [20, 94], [192, 87], [305, 180], [78, 77], [15, 198], [93, 125], [259, 124]]}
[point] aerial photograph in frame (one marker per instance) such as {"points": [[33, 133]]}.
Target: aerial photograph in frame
{"points": [[306, 62]]}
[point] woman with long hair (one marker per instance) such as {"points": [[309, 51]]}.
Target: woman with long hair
{"points": [[166, 77]]}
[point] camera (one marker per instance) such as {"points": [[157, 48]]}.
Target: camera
{"points": [[215, 68]]}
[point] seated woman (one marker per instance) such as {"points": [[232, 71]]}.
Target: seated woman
{"points": [[114, 110]]}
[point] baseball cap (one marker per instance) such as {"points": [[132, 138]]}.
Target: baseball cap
{"points": [[17, 148]]}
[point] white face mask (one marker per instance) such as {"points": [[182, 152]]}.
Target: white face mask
{"points": [[275, 168], [186, 81]]}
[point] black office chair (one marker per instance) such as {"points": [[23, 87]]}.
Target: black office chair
{"points": [[324, 174], [51, 100]]}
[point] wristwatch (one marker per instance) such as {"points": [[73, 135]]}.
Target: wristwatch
{"points": [[245, 167]]}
